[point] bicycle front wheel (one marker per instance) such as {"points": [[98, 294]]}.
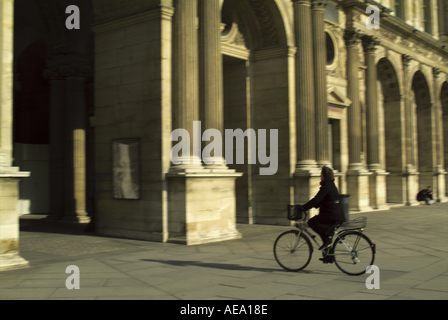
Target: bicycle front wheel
{"points": [[353, 252], [293, 251]]}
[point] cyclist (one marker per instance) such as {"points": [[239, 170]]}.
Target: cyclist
{"points": [[330, 208]]}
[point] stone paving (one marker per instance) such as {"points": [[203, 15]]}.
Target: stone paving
{"points": [[412, 255]]}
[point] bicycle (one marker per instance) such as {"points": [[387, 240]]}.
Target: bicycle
{"points": [[352, 251]]}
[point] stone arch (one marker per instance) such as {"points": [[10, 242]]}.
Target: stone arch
{"points": [[392, 127], [424, 135], [260, 21], [257, 56]]}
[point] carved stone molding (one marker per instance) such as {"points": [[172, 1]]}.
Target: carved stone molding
{"points": [[53, 74], [406, 60], [318, 5], [370, 43], [436, 72], [69, 70], [266, 22], [351, 37]]}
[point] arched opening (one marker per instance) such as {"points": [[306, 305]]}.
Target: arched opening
{"points": [[256, 62], [392, 154], [423, 133], [31, 128]]}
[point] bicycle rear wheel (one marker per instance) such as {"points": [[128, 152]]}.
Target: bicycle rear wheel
{"points": [[353, 252], [290, 254]]}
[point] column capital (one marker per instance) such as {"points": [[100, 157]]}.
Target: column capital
{"points": [[53, 73], [370, 43], [319, 5], [302, 2], [76, 70], [351, 37]]}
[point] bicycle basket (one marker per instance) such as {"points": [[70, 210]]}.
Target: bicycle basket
{"points": [[295, 212], [357, 223]]}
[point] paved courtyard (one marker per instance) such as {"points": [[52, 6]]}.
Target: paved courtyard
{"points": [[412, 255]]}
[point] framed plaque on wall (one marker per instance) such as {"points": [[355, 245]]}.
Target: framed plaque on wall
{"points": [[126, 169]]}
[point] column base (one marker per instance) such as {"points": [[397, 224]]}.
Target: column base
{"points": [[75, 219], [12, 261], [202, 206], [9, 225], [412, 186], [440, 189], [378, 189], [358, 189]]}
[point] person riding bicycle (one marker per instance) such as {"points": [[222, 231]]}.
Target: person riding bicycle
{"points": [[330, 208]]}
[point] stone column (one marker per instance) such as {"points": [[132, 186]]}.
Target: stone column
{"points": [[440, 173], [411, 173], [320, 82], [357, 175], [377, 181], [305, 112], [57, 141], [9, 176], [352, 39], [307, 173], [75, 160], [185, 80], [373, 158], [446, 19], [210, 71]]}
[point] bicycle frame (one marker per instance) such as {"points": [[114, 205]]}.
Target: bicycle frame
{"points": [[336, 234]]}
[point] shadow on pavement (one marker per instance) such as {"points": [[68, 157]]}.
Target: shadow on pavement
{"points": [[223, 266]]}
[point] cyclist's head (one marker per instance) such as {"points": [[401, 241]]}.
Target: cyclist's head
{"points": [[327, 174]]}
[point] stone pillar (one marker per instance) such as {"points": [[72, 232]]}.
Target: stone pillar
{"points": [[211, 72], [307, 174], [75, 159], [377, 181], [185, 80], [446, 20], [410, 173], [357, 175], [202, 202], [9, 176], [320, 83], [440, 173], [373, 158], [57, 142], [352, 38], [305, 113]]}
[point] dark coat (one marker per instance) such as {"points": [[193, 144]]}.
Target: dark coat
{"points": [[328, 202]]}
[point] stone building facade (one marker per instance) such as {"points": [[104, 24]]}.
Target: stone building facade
{"points": [[90, 112]]}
